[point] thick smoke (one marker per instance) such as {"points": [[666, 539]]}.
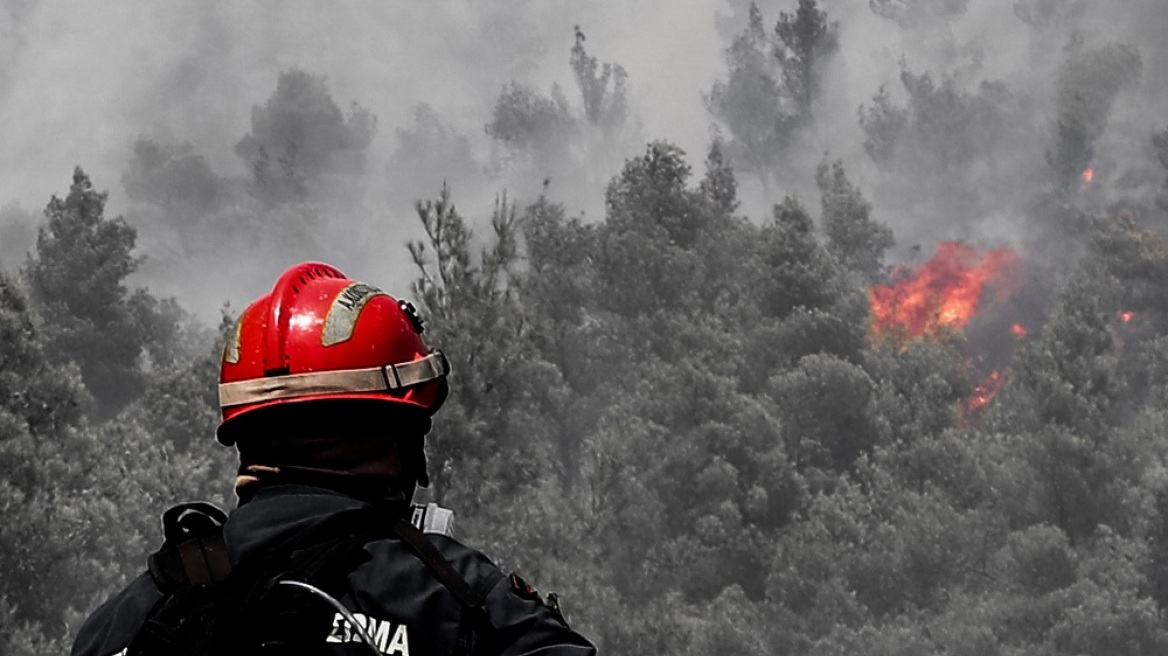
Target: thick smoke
{"points": [[957, 119]]}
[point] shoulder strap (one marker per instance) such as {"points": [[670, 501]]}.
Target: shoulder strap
{"points": [[193, 552], [467, 596], [471, 601]]}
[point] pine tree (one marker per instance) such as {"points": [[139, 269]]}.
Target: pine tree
{"points": [[805, 39], [301, 141], [853, 237], [604, 108], [1160, 142], [750, 102], [475, 319], [1087, 85], [77, 278]]}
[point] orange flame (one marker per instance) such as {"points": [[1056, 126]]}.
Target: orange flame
{"points": [[983, 394], [1088, 176], [1019, 331], [943, 293], [1126, 315]]}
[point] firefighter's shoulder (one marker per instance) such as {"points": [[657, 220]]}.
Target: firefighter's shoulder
{"points": [[112, 626]]}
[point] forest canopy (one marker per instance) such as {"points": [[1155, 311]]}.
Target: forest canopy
{"points": [[709, 429]]}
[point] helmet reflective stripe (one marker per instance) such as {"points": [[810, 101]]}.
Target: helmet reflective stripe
{"points": [[375, 379], [231, 350], [342, 314]]}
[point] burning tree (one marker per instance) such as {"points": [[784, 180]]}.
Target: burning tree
{"points": [[944, 293], [943, 296]]}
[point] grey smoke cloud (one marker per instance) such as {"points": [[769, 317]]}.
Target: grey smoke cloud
{"points": [[80, 82]]}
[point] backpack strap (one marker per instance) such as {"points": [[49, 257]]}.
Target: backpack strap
{"points": [[471, 601], [193, 552], [467, 597]]}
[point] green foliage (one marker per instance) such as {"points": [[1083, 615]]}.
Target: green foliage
{"points": [[798, 272], [674, 415], [883, 123], [1037, 560], [174, 177], [805, 40], [717, 455], [605, 108], [78, 238], [41, 484], [919, 387], [857, 242], [1158, 549], [77, 277], [1160, 142], [772, 85], [44, 398], [544, 138], [23, 638], [524, 120], [1069, 375], [1088, 83], [648, 247], [476, 320], [559, 289], [956, 136], [719, 183], [942, 128], [82, 483], [824, 405], [299, 138], [750, 102]]}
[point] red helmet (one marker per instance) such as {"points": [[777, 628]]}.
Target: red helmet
{"points": [[319, 335]]}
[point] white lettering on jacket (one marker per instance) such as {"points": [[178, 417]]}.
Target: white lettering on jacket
{"points": [[390, 639]]}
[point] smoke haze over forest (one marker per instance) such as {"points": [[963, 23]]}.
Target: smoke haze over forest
{"points": [[810, 327], [79, 86]]}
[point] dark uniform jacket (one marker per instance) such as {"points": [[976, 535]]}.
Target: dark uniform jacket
{"points": [[403, 607]]}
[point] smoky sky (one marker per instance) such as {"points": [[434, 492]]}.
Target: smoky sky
{"points": [[80, 82]]}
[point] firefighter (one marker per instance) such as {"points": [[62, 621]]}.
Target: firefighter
{"points": [[327, 389]]}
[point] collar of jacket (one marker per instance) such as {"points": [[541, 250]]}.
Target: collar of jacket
{"points": [[278, 513]]}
